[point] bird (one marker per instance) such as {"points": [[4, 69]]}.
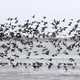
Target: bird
{"points": [[1, 29], [53, 35], [63, 20], [69, 48], [65, 67], [12, 34], [13, 50], [59, 65], [35, 51], [66, 53], [16, 21], [43, 29], [78, 20], [44, 49], [18, 35], [19, 49], [76, 25], [17, 56], [9, 19], [44, 17], [39, 45], [50, 65], [50, 59], [69, 23], [34, 66], [4, 46], [47, 52], [45, 23], [29, 53], [33, 16], [1, 34], [71, 59]]}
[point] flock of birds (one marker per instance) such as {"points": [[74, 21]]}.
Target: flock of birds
{"points": [[32, 44]]}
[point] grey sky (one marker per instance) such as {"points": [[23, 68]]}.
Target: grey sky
{"points": [[39, 7]]}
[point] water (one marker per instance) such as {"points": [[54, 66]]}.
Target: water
{"points": [[46, 76]]}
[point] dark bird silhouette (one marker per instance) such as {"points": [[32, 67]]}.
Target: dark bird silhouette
{"points": [[50, 65], [78, 21], [10, 19], [66, 53], [69, 23], [4, 46], [18, 35], [1, 35], [43, 28], [16, 21], [1, 29], [39, 45], [69, 47], [47, 52], [76, 25], [35, 51], [65, 67], [56, 22], [50, 59], [12, 50], [45, 23], [59, 65], [15, 55], [71, 59], [2, 54], [19, 49], [63, 20], [44, 49], [53, 34], [44, 17], [12, 34], [33, 16], [29, 53]]}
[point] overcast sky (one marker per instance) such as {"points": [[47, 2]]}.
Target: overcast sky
{"points": [[39, 7]]}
